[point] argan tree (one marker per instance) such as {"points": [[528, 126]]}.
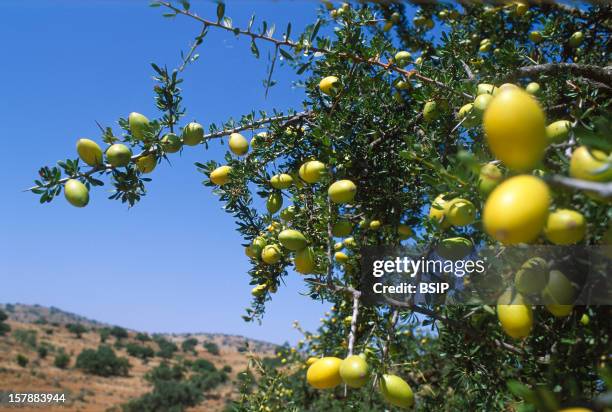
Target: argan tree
{"points": [[494, 133]]}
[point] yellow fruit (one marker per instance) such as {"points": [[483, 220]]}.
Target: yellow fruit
{"points": [[221, 175], [576, 410], [437, 211], [521, 9], [402, 58], [560, 311], [139, 124], [532, 277], [514, 129], [558, 131], [312, 171], [193, 134], [460, 212], [342, 191], [354, 371], [593, 165], [89, 152], [559, 291], [418, 61], [533, 88], [584, 319], [375, 224], [146, 164], [341, 257], [485, 88], [430, 111], [118, 155], [454, 248], [76, 193], [349, 242], [292, 239], [274, 203], [324, 373], [481, 103], [466, 112], [338, 246], [516, 210], [281, 181], [515, 317], [342, 228], [238, 144], [576, 39], [396, 391], [311, 360], [536, 37], [271, 254], [305, 261], [565, 227], [330, 85], [490, 176], [259, 290], [404, 231], [288, 213], [171, 143], [485, 47], [251, 252], [258, 244]]}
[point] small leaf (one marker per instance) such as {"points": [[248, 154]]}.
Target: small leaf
{"points": [[285, 54], [315, 30], [220, 10], [288, 31], [254, 49], [185, 4]]}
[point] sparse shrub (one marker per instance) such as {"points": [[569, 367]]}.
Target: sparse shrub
{"points": [[119, 332], [139, 351], [22, 360], [189, 345], [227, 369], [104, 334], [43, 351], [143, 337], [166, 348], [102, 362], [212, 348], [62, 359], [41, 321], [49, 331], [77, 329], [25, 337]]}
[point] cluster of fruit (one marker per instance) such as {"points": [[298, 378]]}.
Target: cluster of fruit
{"points": [[120, 155], [329, 372]]}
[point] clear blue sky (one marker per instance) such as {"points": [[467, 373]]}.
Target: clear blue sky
{"points": [[174, 262]]}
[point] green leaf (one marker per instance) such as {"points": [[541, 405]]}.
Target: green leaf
{"points": [[220, 10], [519, 390], [285, 54], [315, 30], [288, 31], [185, 4], [254, 49]]}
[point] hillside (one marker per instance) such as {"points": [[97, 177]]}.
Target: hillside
{"points": [[36, 330]]}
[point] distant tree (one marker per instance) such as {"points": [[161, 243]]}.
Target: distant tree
{"points": [[202, 365], [139, 351], [189, 345], [119, 332], [102, 362], [143, 337], [41, 321], [22, 360], [43, 351], [166, 348], [10, 308], [77, 329], [227, 369], [4, 327], [25, 337], [62, 359], [104, 334], [212, 348]]}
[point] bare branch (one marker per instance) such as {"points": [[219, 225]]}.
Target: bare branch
{"points": [[353, 331], [603, 189], [599, 74]]}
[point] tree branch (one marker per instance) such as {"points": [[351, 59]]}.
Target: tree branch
{"points": [[603, 189], [599, 74]]}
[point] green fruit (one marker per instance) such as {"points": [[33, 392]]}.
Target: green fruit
{"points": [[281, 181], [238, 144], [193, 134], [454, 248], [490, 176], [396, 391], [485, 88], [533, 88], [341, 257], [576, 39], [484, 48], [305, 261], [139, 124], [349, 242], [342, 191], [288, 213], [118, 155], [171, 143], [292, 239], [271, 254], [76, 193], [259, 290], [258, 244], [354, 371], [585, 319], [402, 58], [274, 203], [89, 152], [460, 212], [466, 112], [430, 111], [559, 290], [532, 276], [221, 175], [146, 164], [342, 228], [481, 103], [375, 224], [312, 171], [558, 131]]}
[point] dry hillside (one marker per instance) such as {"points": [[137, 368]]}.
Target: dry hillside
{"points": [[35, 327]]}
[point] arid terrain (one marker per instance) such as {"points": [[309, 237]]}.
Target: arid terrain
{"points": [[50, 328]]}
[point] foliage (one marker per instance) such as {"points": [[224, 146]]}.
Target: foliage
{"points": [[102, 362], [62, 359], [139, 351], [188, 345], [22, 360], [26, 337], [166, 347], [401, 135], [143, 337], [77, 329], [4, 327], [211, 347], [43, 351], [118, 332], [104, 334]]}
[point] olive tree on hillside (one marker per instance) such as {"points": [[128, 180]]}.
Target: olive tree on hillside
{"points": [[454, 129]]}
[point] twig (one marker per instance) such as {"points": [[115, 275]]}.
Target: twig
{"points": [[599, 74], [353, 331], [194, 46], [603, 189]]}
